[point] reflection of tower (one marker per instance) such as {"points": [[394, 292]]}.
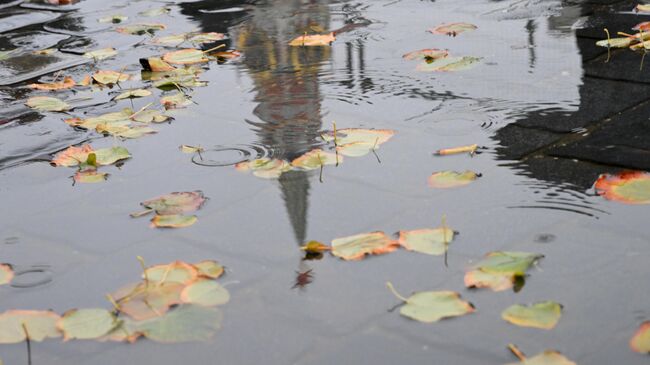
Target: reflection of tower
{"points": [[287, 90]]}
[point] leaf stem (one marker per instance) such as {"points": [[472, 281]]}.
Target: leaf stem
{"points": [[215, 48], [29, 344], [113, 302], [515, 351], [609, 45], [395, 293], [144, 269]]}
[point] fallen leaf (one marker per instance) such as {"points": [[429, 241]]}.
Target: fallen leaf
{"points": [[313, 40], [264, 167], [47, 103], [174, 272], [432, 306], [173, 221], [174, 203], [356, 149], [449, 64], [548, 357], [90, 177], [67, 83], [6, 274], [149, 116], [115, 19], [630, 187], [499, 270], [124, 131], [359, 135], [155, 64], [141, 29], [358, 246], [107, 77], [644, 8], [185, 56], [175, 101], [101, 54], [315, 247], [155, 12], [226, 55], [621, 42], [644, 26], [190, 149], [453, 29], [209, 269], [471, 149], [86, 324], [17, 325], [450, 179], [428, 241], [150, 301], [428, 54], [316, 159], [108, 118], [186, 323], [74, 156], [131, 94], [205, 292], [544, 315], [171, 40], [640, 342]]}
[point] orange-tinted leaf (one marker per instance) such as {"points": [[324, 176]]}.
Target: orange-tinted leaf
{"points": [[176, 203], [174, 272], [67, 83], [450, 179], [209, 269], [227, 55], [453, 29], [72, 156], [432, 306], [481, 279], [265, 168], [315, 247], [313, 40], [173, 221], [471, 149], [631, 187], [500, 269], [110, 77], [185, 56], [16, 325], [156, 64], [640, 342], [90, 177], [429, 54], [358, 246], [151, 300], [315, 159], [6, 274], [428, 241], [548, 357], [644, 26]]}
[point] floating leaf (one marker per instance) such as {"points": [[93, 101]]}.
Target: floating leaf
{"points": [[450, 179], [499, 270], [186, 323], [428, 54], [173, 221], [449, 64], [101, 54], [190, 149], [48, 104], [6, 274], [205, 292], [358, 246], [67, 83], [359, 135], [6, 54], [630, 187], [175, 203], [109, 156], [115, 19], [621, 42], [86, 324], [315, 247], [156, 64], [644, 8], [543, 315], [209, 269], [453, 29], [356, 149], [175, 101], [206, 37], [185, 56], [548, 357], [110, 77], [149, 116], [313, 40], [644, 26], [123, 131], [148, 301], [471, 149], [640, 342], [74, 156], [174, 39], [90, 177], [108, 118], [155, 12], [264, 167], [315, 159], [174, 272], [432, 306], [131, 94], [429, 241], [226, 55], [16, 325], [140, 29]]}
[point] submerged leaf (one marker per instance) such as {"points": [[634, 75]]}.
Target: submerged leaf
{"points": [[67, 83], [140, 29], [48, 104], [453, 29], [499, 270], [175, 101], [432, 306], [544, 315], [449, 64], [205, 292], [186, 323], [450, 179], [427, 54], [86, 324], [101, 54], [151, 300], [173, 221], [313, 40], [17, 325], [640, 342], [185, 56], [429, 241], [631, 187], [316, 159], [176, 203], [6, 274], [358, 246]]}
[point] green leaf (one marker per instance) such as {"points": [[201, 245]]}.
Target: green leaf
{"points": [[622, 42], [630, 187], [176, 202], [90, 177], [209, 269], [449, 64], [499, 270], [86, 324], [359, 135], [428, 241], [108, 77], [451, 179], [131, 94], [186, 323], [640, 342], [548, 357], [432, 306], [108, 156], [315, 159], [101, 54], [47, 103], [185, 56], [173, 221], [175, 101], [358, 246], [205, 292], [174, 272], [544, 315], [15, 325]]}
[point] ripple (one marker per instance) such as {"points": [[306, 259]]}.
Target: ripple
{"points": [[562, 198], [33, 276], [219, 156]]}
